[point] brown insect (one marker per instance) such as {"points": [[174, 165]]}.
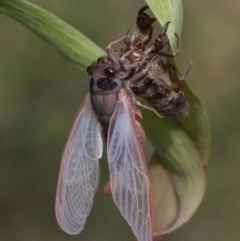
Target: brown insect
{"points": [[110, 105], [156, 85]]}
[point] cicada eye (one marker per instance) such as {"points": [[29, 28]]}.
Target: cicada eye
{"points": [[89, 70], [110, 72]]}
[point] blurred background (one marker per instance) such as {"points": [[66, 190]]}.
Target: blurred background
{"points": [[40, 93]]}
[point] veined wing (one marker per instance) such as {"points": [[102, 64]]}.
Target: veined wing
{"points": [[79, 172], [129, 180]]}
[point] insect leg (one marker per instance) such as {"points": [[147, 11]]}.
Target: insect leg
{"points": [[178, 75], [148, 108], [111, 52], [107, 187], [164, 30], [171, 54], [161, 40]]}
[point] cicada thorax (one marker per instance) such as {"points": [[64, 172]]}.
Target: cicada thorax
{"points": [[105, 84]]}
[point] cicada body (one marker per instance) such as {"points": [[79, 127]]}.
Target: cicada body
{"points": [[157, 85], [110, 105]]}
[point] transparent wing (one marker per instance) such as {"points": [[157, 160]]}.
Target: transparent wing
{"points": [[129, 180], [79, 172]]}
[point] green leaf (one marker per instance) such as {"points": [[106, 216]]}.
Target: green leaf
{"points": [[67, 40]]}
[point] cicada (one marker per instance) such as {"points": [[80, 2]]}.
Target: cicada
{"points": [[109, 105], [157, 85]]}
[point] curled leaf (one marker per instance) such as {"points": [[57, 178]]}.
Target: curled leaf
{"points": [[178, 188], [165, 205]]}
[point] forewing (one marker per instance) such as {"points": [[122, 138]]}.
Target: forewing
{"points": [[79, 172], [129, 180]]}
